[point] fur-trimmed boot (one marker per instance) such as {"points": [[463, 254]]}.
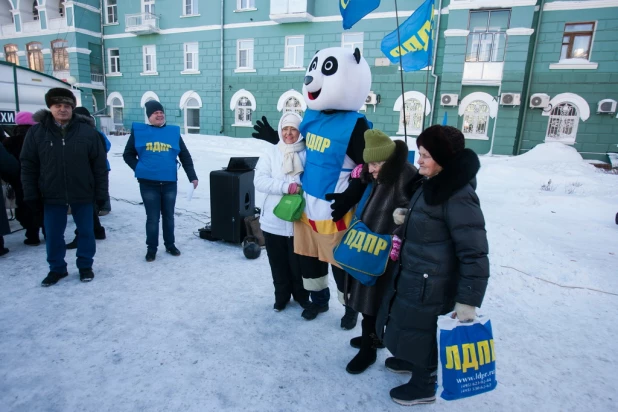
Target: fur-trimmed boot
{"points": [[366, 356], [420, 390]]}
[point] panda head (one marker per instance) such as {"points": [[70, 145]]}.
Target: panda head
{"points": [[337, 79]]}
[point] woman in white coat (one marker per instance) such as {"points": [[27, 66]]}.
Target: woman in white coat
{"points": [[277, 173]]}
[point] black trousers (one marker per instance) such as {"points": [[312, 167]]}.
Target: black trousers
{"points": [[285, 268]]}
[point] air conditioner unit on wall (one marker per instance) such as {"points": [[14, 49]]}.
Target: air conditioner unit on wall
{"points": [[539, 101], [510, 99], [449, 99], [607, 106], [372, 98]]}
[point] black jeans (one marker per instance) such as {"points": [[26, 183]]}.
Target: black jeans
{"points": [[285, 268]]}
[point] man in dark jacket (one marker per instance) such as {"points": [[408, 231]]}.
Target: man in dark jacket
{"points": [[151, 152], [9, 172], [63, 158]]}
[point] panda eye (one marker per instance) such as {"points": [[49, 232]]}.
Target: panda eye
{"points": [[314, 64], [330, 66]]}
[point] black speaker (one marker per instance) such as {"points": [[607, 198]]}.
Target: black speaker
{"points": [[232, 198]]}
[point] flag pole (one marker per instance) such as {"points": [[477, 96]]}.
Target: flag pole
{"points": [[427, 77], [403, 98]]}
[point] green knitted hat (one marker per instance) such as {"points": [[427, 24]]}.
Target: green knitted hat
{"points": [[378, 146]]}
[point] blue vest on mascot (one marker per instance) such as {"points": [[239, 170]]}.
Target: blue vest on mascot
{"points": [[327, 136], [157, 148]]}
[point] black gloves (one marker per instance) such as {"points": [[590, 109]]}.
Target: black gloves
{"points": [[343, 202], [264, 131]]}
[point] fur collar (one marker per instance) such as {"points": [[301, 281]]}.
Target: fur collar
{"points": [[461, 171], [43, 116], [391, 170]]}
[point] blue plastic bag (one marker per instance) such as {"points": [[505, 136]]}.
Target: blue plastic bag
{"points": [[467, 359]]}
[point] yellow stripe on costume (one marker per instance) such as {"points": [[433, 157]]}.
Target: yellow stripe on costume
{"points": [[328, 227]]}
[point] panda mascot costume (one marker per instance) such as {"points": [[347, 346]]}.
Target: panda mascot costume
{"points": [[335, 87]]}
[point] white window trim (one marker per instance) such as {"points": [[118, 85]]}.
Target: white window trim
{"points": [[493, 111], [146, 97], [350, 33], [110, 99], [152, 72], [106, 15], [576, 100], [291, 93], [240, 10], [193, 9], [426, 105], [285, 54], [150, 2], [578, 64], [244, 69], [196, 60], [109, 62], [573, 137], [299, 69], [234, 100], [191, 94]]}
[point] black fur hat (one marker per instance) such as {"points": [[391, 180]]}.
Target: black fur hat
{"points": [[442, 142], [59, 95]]}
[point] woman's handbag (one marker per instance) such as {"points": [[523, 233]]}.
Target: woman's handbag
{"points": [[363, 253], [290, 208]]}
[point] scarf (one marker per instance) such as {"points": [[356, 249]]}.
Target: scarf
{"points": [[292, 165]]}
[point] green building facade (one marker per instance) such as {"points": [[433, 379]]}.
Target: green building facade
{"points": [[510, 73]]}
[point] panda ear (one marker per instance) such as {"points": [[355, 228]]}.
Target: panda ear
{"points": [[357, 55], [316, 52]]}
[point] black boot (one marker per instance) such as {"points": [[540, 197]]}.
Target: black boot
{"points": [[348, 321], [420, 390], [356, 343], [366, 356], [99, 234]]}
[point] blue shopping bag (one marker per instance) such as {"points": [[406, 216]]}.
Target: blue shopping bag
{"points": [[467, 359]]}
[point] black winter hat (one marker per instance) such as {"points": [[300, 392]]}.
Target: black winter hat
{"points": [[59, 95], [153, 106], [442, 143], [82, 110], [250, 248]]}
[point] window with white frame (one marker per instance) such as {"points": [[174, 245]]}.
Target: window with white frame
{"points": [[352, 41], [192, 116], [60, 55], [149, 6], [35, 10], [150, 59], [35, 56], [117, 111], [244, 109], [189, 7], [244, 57], [61, 10], [577, 40], [114, 60], [292, 104], [10, 53], [191, 57], [487, 38], [294, 51], [563, 122], [246, 4], [413, 117], [476, 118], [111, 11]]}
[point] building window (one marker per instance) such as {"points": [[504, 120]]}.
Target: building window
{"points": [[150, 59], [61, 8], [476, 118], [243, 111], [294, 51], [246, 4], [192, 116], [487, 38], [413, 119], [112, 11], [35, 11], [114, 60], [10, 53], [60, 56], [576, 41], [245, 54], [563, 122], [117, 112], [292, 104], [191, 57], [149, 6], [352, 41], [190, 7], [35, 57]]}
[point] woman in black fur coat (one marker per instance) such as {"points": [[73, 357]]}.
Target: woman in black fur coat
{"points": [[443, 264]]}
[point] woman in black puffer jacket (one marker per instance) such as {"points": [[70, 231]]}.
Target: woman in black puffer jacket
{"points": [[443, 264]]}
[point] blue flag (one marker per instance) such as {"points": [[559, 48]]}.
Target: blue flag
{"points": [[354, 10], [416, 40]]}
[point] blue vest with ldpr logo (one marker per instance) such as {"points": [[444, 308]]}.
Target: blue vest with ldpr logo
{"points": [[157, 149], [327, 136]]}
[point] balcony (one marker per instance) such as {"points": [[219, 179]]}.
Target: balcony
{"points": [[291, 11], [59, 23], [483, 73], [31, 26], [142, 23], [97, 78], [7, 29]]}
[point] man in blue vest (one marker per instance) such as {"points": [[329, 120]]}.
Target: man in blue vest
{"points": [[151, 152]]}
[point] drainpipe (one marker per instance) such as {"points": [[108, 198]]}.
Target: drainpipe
{"points": [[221, 70], [15, 84], [520, 138], [433, 64], [103, 60]]}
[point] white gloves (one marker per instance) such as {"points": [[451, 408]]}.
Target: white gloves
{"points": [[399, 215], [465, 313]]}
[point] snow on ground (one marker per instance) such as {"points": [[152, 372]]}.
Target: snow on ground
{"points": [[198, 333]]}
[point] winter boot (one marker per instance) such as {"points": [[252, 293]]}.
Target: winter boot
{"points": [[53, 278], [86, 275], [172, 250], [356, 343], [32, 242], [99, 234], [313, 310], [398, 365], [420, 390], [3, 251], [151, 256], [72, 244], [279, 306], [348, 321], [366, 356]]}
